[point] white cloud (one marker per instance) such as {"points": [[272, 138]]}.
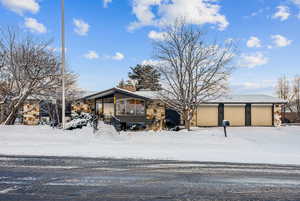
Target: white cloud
{"points": [[56, 49], [283, 13], [253, 60], [151, 62], [34, 26], [262, 84], [106, 2], [157, 35], [280, 41], [251, 85], [118, 56], [91, 55], [297, 2], [21, 6], [81, 27], [253, 42], [197, 12], [230, 41], [257, 12]]}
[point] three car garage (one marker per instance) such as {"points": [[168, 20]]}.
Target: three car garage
{"points": [[246, 110]]}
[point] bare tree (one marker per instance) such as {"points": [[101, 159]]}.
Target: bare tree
{"points": [[29, 69], [290, 91], [192, 71], [283, 89], [51, 99], [296, 96]]}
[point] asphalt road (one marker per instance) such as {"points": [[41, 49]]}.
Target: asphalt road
{"points": [[52, 178]]}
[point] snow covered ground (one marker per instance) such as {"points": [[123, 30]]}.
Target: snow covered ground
{"points": [[244, 145]]}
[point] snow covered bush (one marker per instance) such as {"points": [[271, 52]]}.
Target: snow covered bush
{"points": [[76, 123], [79, 120]]}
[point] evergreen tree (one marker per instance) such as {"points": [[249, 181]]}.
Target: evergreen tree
{"points": [[121, 84], [145, 77]]}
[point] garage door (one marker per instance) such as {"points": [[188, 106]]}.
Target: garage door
{"points": [[235, 114], [207, 115], [261, 115]]}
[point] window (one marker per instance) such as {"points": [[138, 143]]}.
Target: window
{"points": [[130, 107], [140, 107], [121, 104], [99, 108]]}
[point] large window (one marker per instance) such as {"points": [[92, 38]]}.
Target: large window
{"points": [[130, 107]]}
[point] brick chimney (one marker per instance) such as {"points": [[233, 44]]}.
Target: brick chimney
{"points": [[129, 87]]}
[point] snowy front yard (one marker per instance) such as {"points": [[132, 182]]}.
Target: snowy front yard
{"points": [[244, 145]]}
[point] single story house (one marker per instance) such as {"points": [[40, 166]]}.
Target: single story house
{"points": [[145, 107]]}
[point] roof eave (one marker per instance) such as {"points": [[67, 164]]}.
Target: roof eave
{"points": [[113, 90]]}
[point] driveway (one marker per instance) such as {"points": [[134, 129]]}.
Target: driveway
{"points": [[52, 178]]}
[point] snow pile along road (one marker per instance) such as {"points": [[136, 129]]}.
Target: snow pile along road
{"points": [[244, 145]]}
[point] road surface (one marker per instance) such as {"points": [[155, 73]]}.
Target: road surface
{"points": [[52, 178]]}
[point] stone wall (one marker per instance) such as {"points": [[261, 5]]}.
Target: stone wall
{"points": [[277, 115], [31, 114], [156, 112], [82, 107]]}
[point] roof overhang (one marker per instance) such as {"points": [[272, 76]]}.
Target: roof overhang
{"points": [[111, 92], [246, 102]]}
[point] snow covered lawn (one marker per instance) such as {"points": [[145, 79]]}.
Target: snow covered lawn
{"points": [[244, 145]]}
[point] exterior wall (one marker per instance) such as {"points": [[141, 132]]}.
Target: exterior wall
{"points": [[156, 113], [207, 115], [235, 114], [81, 107], [277, 115], [32, 117], [261, 115]]}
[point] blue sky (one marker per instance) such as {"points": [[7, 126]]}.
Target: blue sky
{"points": [[106, 37]]}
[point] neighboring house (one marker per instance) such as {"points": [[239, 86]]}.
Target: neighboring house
{"points": [[33, 112], [29, 113], [145, 107]]}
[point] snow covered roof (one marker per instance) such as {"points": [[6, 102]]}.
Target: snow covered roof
{"points": [[148, 94], [112, 91], [229, 99], [251, 98]]}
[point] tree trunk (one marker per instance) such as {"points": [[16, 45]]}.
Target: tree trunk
{"points": [[57, 113], [187, 120], [188, 125], [10, 120], [49, 111]]}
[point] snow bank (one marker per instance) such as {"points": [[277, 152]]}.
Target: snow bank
{"points": [[244, 145]]}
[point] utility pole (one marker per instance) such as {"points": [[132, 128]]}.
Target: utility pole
{"points": [[63, 61]]}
